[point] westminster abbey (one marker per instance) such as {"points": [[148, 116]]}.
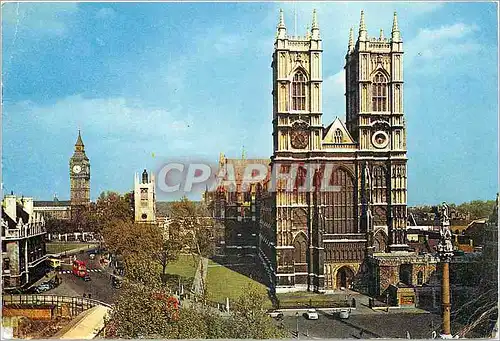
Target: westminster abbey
{"points": [[318, 240]]}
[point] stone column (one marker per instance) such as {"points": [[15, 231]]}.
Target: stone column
{"points": [[445, 294], [445, 250]]}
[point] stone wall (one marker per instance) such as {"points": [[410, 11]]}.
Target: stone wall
{"points": [[40, 312]]}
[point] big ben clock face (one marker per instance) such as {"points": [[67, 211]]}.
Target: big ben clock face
{"points": [[77, 169], [300, 139]]}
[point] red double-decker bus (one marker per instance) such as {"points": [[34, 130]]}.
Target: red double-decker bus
{"points": [[79, 268]]}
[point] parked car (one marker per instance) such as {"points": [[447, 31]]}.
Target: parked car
{"points": [[92, 256], [344, 314], [312, 314], [276, 314], [42, 287]]}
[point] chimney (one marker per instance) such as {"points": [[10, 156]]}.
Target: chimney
{"points": [[10, 206]]}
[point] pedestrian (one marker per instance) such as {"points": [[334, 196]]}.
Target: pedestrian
{"points": [[89, 296], [361, 334], [84, 296]]}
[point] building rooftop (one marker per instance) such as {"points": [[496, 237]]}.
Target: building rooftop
{"points": [[51, 203]]}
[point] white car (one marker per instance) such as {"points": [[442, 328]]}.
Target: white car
{"points": [[344, 314], [312, 314], [276, 314]]}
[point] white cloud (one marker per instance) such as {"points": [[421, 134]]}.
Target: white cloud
{"points": [[229, 43], [454, 31], [38, 18], [105, 13], [112, 117], [441, 45]]}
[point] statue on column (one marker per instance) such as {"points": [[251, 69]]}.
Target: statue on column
{"points": [[445, 246]]}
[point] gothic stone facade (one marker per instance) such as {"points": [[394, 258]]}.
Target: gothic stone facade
{"points": [[236, 210], [316, 240]]}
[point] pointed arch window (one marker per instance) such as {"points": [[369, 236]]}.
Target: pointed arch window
{"points": [[337, 137], [379, 185], [420, 278], [343, 209], [379, 92], [300, 249], [299, 91]]}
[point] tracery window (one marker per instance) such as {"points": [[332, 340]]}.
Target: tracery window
{"points": [[420, 278], [343, 202], [300, 248], [337, 138], [379, 185], [299, 91], [379, 92]]}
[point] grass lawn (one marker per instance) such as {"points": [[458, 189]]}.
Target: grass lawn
{"points": [[299, 299], [184, 266], [61, 247], [223, 282]]}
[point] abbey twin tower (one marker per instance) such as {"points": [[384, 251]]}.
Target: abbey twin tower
{"points": [[318, 240]]}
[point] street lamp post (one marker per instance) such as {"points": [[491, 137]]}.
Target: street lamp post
{"points": [[445, 251], [297, 315]]}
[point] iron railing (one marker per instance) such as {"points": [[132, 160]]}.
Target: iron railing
{"points": [[76, 305]]}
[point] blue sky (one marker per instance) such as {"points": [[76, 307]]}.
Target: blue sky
{"points": [[147, 82]]}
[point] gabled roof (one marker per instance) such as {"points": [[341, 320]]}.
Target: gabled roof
{"points": [[21, 213], [329, 132], [10, 223]]}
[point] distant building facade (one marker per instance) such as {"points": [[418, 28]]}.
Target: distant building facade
{"points": [[235, 208], [145, 198], [56, 209], [23, 242]]}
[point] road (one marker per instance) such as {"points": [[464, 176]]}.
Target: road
{"points": [[99, 287], [363, 326]]}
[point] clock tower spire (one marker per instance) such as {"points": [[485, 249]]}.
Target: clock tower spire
{"points": [[79, 174]]}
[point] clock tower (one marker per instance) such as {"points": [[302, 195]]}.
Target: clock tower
{"points": [[79, 174]]}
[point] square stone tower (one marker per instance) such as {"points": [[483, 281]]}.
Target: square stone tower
{"points": [[145, 198]]}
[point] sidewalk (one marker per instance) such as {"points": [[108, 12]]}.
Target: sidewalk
{"points": [[85, 326], [200, 276]]}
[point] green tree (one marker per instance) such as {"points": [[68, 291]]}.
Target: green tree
{"points": [[477, 208], [195, 230], [139, 244], [250, 319], [171, 247], [110, 207], [143, 311], [56, 226]]}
